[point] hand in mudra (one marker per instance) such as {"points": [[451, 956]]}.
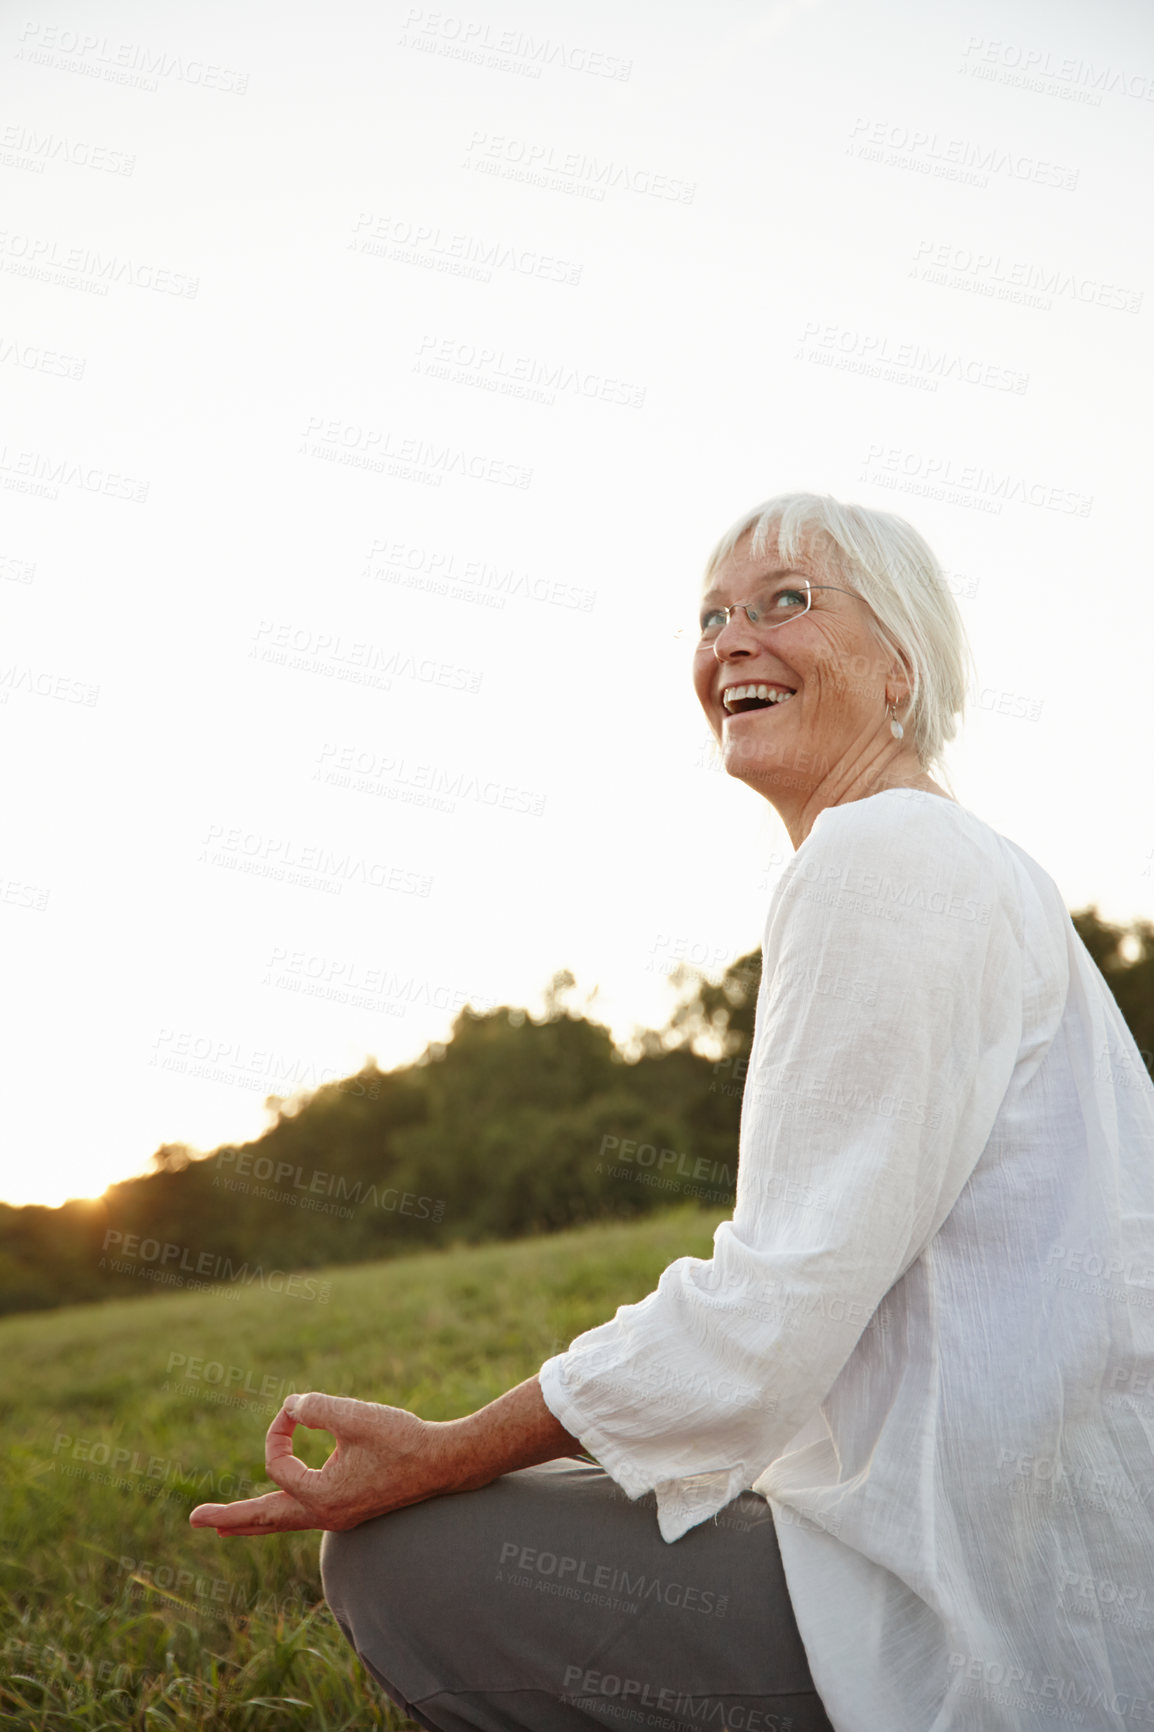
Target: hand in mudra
{"points": [[382, 1459]]}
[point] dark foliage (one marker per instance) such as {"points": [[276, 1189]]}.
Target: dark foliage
{"points": [[513, 1126]]}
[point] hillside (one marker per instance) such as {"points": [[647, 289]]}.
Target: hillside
{"points": [[121, 1417]]}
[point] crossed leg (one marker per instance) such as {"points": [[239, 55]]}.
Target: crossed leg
{"points": [[548, 1602]]}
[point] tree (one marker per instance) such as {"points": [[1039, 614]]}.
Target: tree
{"points": [[721, 1015], [1125, 955]]}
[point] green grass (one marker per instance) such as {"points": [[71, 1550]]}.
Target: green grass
{"points": [[114, 1612]]}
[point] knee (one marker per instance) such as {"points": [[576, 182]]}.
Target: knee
{"points": [[338, 1573], [372, 1569], [358, 1598]]}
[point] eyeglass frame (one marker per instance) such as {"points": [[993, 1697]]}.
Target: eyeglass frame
{"points": [[756, 625]]}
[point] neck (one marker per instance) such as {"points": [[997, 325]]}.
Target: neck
{"points": [[892, 765]]}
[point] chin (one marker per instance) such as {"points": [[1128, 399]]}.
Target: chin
{"points": [[749, 754]]}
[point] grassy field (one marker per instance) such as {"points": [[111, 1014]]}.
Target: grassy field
{"points": [[121, 1417]]}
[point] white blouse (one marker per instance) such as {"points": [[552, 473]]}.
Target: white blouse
{"points": [[927, 1334]]}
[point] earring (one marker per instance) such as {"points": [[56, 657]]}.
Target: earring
{"points": [[896, 728]]}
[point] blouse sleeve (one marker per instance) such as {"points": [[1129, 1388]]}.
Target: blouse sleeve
{"points": [[887, 1029]]}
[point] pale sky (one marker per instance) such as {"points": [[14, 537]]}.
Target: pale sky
{"points": [[298, 534]]}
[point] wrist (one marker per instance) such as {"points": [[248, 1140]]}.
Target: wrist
{"points": [[457, 1455], [515, 1431]]}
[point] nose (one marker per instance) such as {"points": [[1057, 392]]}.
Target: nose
{"points": [[736, 637]]}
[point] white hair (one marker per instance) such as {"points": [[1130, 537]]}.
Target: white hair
{"points": [[885, 561]]}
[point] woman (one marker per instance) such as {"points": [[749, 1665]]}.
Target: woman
{"points": [[901, 1424]]}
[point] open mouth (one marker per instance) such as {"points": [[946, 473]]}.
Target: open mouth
{"points": [[740, 700]]}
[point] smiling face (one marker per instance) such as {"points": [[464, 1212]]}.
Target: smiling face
{"points": [[831, 734]]}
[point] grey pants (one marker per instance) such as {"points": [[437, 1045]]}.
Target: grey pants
{"points": [[548, 1601]]}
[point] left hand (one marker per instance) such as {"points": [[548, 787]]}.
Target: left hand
{"points": [[382, 1459]]}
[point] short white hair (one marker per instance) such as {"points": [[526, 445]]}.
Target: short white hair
{"points": [[887, 563]]}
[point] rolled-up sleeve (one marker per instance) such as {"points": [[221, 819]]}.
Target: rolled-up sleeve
{"points": [[888, 1025]]}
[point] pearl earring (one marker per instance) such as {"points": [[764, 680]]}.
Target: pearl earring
{"points": [[896, 728]]}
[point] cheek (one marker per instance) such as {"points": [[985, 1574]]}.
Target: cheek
{"points": [[847, 672]]}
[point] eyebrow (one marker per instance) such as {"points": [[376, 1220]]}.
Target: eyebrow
{"points": [[778, 571]]}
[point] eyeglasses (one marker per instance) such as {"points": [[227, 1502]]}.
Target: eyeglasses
{"points": [[774, 604]]}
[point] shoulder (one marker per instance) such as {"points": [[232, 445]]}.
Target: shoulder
{"points": [[904, 826], [910, 859]]}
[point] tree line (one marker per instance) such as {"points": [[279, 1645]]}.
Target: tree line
{"points": [[516, 1125]]}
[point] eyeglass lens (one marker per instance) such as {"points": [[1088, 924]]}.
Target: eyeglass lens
{"points": [[769, 606]]}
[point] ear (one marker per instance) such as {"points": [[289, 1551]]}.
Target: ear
{"points": [[899, 675], [899, 680]]}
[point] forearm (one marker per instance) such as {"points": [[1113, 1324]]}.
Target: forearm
{"points": [[517, 1430]]}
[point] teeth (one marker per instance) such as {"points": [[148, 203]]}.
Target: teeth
{"points": [[771, 694]]}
